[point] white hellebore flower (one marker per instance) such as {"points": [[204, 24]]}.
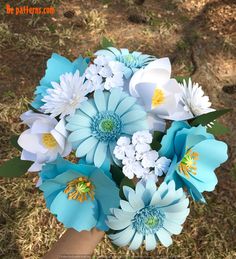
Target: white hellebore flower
{"points": [[44, 140], [67, 95], [193, 100], [159, 92]]}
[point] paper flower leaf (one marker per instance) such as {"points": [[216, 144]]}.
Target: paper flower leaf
{"points": [[208, 117], [14, 167]]}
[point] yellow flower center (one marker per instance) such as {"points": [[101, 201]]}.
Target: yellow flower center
{"points": [[80, 189], [158, 97], [49, 141], [187, 165]]}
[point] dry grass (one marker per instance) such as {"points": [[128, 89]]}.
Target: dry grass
{"points": [[175, 28]]}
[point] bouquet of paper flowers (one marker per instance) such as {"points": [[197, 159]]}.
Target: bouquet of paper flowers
{"points": [[120, 145]]}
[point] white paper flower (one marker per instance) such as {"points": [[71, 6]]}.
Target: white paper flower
{"points": [[132, 168], [149, 159], [65, 97], [158, 91], [93, 77], [141, 149], [44, 140], [138, 159], [123, 148], [161, 166], [148, 175], [193, 100], [105, 73], [142, 137]]}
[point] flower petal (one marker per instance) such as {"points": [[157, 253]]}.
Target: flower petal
{"points": [[86, 146], [74, 214], [79, 135], [135, 201], [100, 100], [126, 206], [114, 98], [125, 105], [100, 153], [124, 237], [132, 116], [150, 242], [172, 227], [88, 108], [116, 224], [164, 237], [136, 242]]}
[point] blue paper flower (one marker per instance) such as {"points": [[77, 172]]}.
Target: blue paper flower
{"points": [[99, 122], [132, 60], [56, 66], [195, 154], [77, 194], [151, 215]]}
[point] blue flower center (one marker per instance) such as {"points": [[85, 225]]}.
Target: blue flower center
{"points": [[106, 126], [148, 220]]}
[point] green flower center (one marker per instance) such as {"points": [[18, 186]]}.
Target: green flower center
{"points": [[107, 125], [148, 220], [80, 189], [188, 163], [152, 222], [129, 58]]}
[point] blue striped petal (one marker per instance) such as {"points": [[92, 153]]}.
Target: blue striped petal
{"points": [[136, 242]]}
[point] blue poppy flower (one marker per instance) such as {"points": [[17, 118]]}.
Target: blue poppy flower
{"points": [[56, 66], [132, 60], [99, 122], [151, 215], [77, 194], [195, 155]]}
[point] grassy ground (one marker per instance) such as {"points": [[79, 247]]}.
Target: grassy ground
{"points": [[199, 37]]}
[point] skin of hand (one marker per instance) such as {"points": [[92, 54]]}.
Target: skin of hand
{"points": [[75, 244]]}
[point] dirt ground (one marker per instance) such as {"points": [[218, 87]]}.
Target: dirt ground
{"points": [[199, 36]]}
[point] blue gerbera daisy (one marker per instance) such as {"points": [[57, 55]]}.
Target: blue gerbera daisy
{"points": [[57, 66], [99, 122], [149, 215], [132, 60]]}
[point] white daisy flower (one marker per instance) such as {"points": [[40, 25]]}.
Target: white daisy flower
{"points": [[193, 99], [65, 97]]}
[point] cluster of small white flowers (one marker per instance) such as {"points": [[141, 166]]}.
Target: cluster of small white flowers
{"points": [[105, 73], [139, 159]]}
